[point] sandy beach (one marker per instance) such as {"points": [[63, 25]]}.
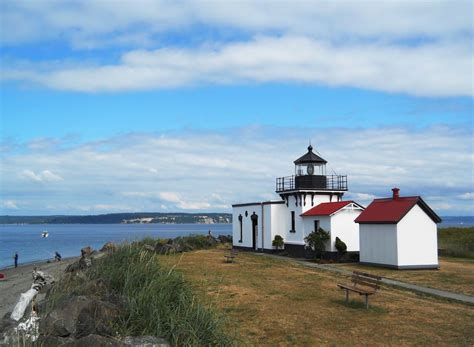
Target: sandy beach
{"points": [[19, 280]]}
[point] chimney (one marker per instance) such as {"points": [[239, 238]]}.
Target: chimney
{"points": [[396, 194]]}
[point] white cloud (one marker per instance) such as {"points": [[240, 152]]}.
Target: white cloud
{"points": [[431, 69], [183, 204], [10, 204], [209, 171], [90, 24], [417, 47], [44, 176], [467, 196]]}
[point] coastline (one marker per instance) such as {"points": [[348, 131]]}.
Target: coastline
{"points": [[18, 280]]}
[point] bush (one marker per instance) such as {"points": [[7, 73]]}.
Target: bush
{"points": [[278, 242], [340, 246], [316, 240]]}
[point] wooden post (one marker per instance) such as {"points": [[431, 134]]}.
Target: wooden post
{"points": [[366, 301], [347, 296]]}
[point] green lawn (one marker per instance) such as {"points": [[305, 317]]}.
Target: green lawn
{"points": [[456, 242]]}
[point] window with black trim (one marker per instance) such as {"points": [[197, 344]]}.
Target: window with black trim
{"points": [[316, 225], [293, 228]]}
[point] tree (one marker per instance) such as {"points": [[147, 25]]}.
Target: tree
{"points": [[340, 246], [278, 242], [316, 240]]}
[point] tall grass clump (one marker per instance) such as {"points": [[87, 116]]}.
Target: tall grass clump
{"points": [[456, 242], [160, 301]]}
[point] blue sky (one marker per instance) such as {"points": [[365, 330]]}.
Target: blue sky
{"points": [[149, 106]]}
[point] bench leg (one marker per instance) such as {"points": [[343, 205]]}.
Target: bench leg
{"points": [[366, 301], [347, 296]]}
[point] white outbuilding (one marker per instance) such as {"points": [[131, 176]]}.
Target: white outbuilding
{"points": [[399, 232]]}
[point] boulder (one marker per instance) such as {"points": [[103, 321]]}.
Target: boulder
{"points": [[95, 340], [53, 341], [145, 341], [109, 247], [86, 251], [79, 316], [149, 248]]}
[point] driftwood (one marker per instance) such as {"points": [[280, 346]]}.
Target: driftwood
{"points": [[40, 279]]}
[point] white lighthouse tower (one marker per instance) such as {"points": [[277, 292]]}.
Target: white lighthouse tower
{"points": [[310, 199]]}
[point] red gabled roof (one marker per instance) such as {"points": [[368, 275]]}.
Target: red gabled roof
{"points": [[391, 211], [326, 208]]}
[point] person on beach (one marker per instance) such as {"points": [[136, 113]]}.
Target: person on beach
{"points": [[57, 256], [16, 259]]}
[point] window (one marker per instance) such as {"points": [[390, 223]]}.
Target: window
{"points": [[240, 220], [293, 222], [316, 225]]}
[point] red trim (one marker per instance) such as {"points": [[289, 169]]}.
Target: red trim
{"points": [[391, 211], [327, 208]]}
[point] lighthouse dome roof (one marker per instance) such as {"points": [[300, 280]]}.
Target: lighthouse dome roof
{"points": [[310, 157]]}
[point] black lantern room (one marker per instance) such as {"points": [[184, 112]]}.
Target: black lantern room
{"points": [[310, 164], [310, 174]]}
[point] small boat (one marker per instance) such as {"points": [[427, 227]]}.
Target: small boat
{"points": [[44, 234]]}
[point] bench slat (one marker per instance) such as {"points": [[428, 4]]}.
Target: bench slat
{"points": [[365, 279], [357, 290], [365, 274]]}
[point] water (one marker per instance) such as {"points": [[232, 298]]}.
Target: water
{"points": [[68, 239], [457, 221]]}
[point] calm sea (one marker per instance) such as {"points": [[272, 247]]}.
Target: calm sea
{"points": [[68, 239]]}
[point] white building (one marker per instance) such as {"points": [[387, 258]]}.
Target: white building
{"points": [[309, 199], [399, 232]]}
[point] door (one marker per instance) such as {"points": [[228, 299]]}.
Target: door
{"points": [[254, 218]]}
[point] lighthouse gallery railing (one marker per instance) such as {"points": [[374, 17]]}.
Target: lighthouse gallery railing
{"points": [[331, 182]]}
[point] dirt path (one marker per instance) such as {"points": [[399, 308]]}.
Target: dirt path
{"points": [[19, 280]]}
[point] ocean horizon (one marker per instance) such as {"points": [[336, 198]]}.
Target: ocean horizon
{"points": [[68, 239]]}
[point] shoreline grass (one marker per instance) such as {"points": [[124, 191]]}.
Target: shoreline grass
{"points": [[456, 242], [159, 301]]}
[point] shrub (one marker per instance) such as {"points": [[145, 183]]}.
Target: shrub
{"points": [[340, 246], [316, 240], [278, 242]]}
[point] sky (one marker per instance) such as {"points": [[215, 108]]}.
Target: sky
{"points": [[158, 106]]}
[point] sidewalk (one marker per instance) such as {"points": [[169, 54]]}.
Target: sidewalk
{"points": [[404, 285]]}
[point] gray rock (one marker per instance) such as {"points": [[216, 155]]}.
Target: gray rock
{"points": [[53, 341], [109, 247], [149, 248], [145, 341], [85, 324], [86, 251], [79, 316], [94, 340]]}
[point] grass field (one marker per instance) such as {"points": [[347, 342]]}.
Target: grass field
{"points": [[454, 274], [456, 242], [275, 302]]}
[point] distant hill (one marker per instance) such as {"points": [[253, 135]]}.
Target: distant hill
{"points": [[120, 218]]}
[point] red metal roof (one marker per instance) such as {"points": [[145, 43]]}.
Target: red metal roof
{"points": [[326, 208], [391, 211]]}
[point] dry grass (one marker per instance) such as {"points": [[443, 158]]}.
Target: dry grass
{"points": [[275, 302], [455, 274]]}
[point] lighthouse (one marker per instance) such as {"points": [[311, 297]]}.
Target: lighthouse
{"points": [[308, 200]]}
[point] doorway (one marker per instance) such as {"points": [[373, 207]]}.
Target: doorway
{"points": [[254, 218]]}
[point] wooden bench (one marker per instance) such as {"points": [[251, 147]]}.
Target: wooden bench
{"points": [[363, 284], [229, 258]]}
